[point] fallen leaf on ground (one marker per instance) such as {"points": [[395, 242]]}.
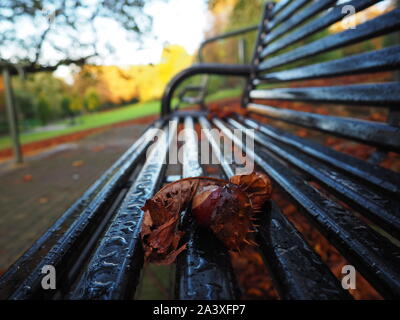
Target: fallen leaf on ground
{"points": [[43, 200], [27, 178], [98, 148], [78, 163]]}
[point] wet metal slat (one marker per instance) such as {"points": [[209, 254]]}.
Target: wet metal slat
{"points": [[381, 60], [368, 132], [328, 19], [215, 147], [383, 24], [380, 94], [373, 255], [57, 244], [287, 12], [114, 268], [204, 270], [380, 209], [298, 272], [379, 177], [297, 19], [286, 253], [280, 6]]}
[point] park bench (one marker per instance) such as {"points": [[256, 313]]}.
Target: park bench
{"points": [[95, 245]]}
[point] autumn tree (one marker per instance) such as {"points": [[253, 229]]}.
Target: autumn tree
{"points": [[151, 80], [91, 100], [68, 30], [41, 84], [44, 111], [116, 85], [229, 15]]}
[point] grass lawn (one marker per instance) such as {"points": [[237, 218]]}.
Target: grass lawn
{"points": [[90, 121], [99, 119], [227, 93]]}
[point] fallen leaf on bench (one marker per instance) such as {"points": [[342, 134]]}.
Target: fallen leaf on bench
{"points": [[225, 207], [225, 111], [302, 133], [160, 235]]}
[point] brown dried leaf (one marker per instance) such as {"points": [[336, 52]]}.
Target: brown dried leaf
{"points": [[225, 111], [78, 163], [27, 178], [231, 212], [159, 233], [43, 200]]}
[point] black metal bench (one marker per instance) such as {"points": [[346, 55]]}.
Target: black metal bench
{"points": [[95, 246]]}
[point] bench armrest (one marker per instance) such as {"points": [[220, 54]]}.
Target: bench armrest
{"points": [[210, 69]]}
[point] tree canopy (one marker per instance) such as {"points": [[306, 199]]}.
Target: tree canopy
{"points": [[68, 29]]}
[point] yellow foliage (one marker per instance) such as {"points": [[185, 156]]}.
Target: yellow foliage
{"points": [[221, 6], [152, 79], [119, 87], [221, 11], [144, 82], [76, 104], [92, 101]]}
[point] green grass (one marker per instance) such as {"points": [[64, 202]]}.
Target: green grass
{"points": [[99, 119], [90, 121], [222, 94]]}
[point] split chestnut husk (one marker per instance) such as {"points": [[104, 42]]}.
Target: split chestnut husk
{"points": [[227, 208]]}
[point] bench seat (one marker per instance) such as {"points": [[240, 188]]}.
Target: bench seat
{"points": [[354, 203]]}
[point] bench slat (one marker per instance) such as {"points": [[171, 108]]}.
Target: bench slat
{"points": [[55, 246], [379, 94], [201, 273], [205, 125], [368, 132], [274, 238], [298, 272], [278, 7], [114, 268], [376, 176], [318, 24], [380, 209], [373, 255], [297, 19], [290, 10], [383, 24], [381, 60]]}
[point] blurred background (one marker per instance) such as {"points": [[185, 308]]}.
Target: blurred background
{"points": [[87, 78]]}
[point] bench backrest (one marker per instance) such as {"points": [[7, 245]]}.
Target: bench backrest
{"points": [[296, 60]]}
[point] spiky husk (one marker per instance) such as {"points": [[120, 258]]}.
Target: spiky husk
{"points": [[227, 208], [229, 215], [257, 186]]}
